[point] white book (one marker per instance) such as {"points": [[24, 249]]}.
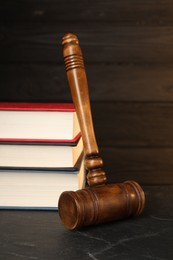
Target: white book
{"points": [[40, 155], [37, 189]]}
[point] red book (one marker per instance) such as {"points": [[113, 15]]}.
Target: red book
{"points": [[38, 123]]}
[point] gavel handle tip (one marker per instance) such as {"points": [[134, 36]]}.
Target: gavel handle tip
{"points": [[69, 38]]}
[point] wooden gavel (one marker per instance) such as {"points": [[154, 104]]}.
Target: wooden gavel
{"points": [[98, 202]]}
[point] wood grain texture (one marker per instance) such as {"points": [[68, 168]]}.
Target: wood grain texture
{"points": [[127, 44], [127, 48], [123, 82], [145, 165], [34, 82], [134, 124], [122, 12]]}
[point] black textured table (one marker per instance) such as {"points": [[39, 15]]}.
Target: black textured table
{"points": [[40, 234]]}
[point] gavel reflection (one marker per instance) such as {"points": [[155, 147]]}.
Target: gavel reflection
{"points": [[99, 202]]}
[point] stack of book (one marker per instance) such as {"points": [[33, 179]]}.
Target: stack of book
{"points": [[40, 154]]}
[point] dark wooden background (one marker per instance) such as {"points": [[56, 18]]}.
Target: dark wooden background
{"points": [[128, 51]]}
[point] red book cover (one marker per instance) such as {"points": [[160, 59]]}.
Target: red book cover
{"points": [[62, 107]]}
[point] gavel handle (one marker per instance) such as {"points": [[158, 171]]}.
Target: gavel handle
{"points": [[77, 79]]}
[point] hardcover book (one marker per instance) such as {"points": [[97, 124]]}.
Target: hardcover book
{"points": [[37, 189], [38, 122], [40, 155]]}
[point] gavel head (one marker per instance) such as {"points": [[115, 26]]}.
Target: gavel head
{"points": [[100, 204]]}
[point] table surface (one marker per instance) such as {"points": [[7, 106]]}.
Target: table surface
{"points": [[40, 234]]}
